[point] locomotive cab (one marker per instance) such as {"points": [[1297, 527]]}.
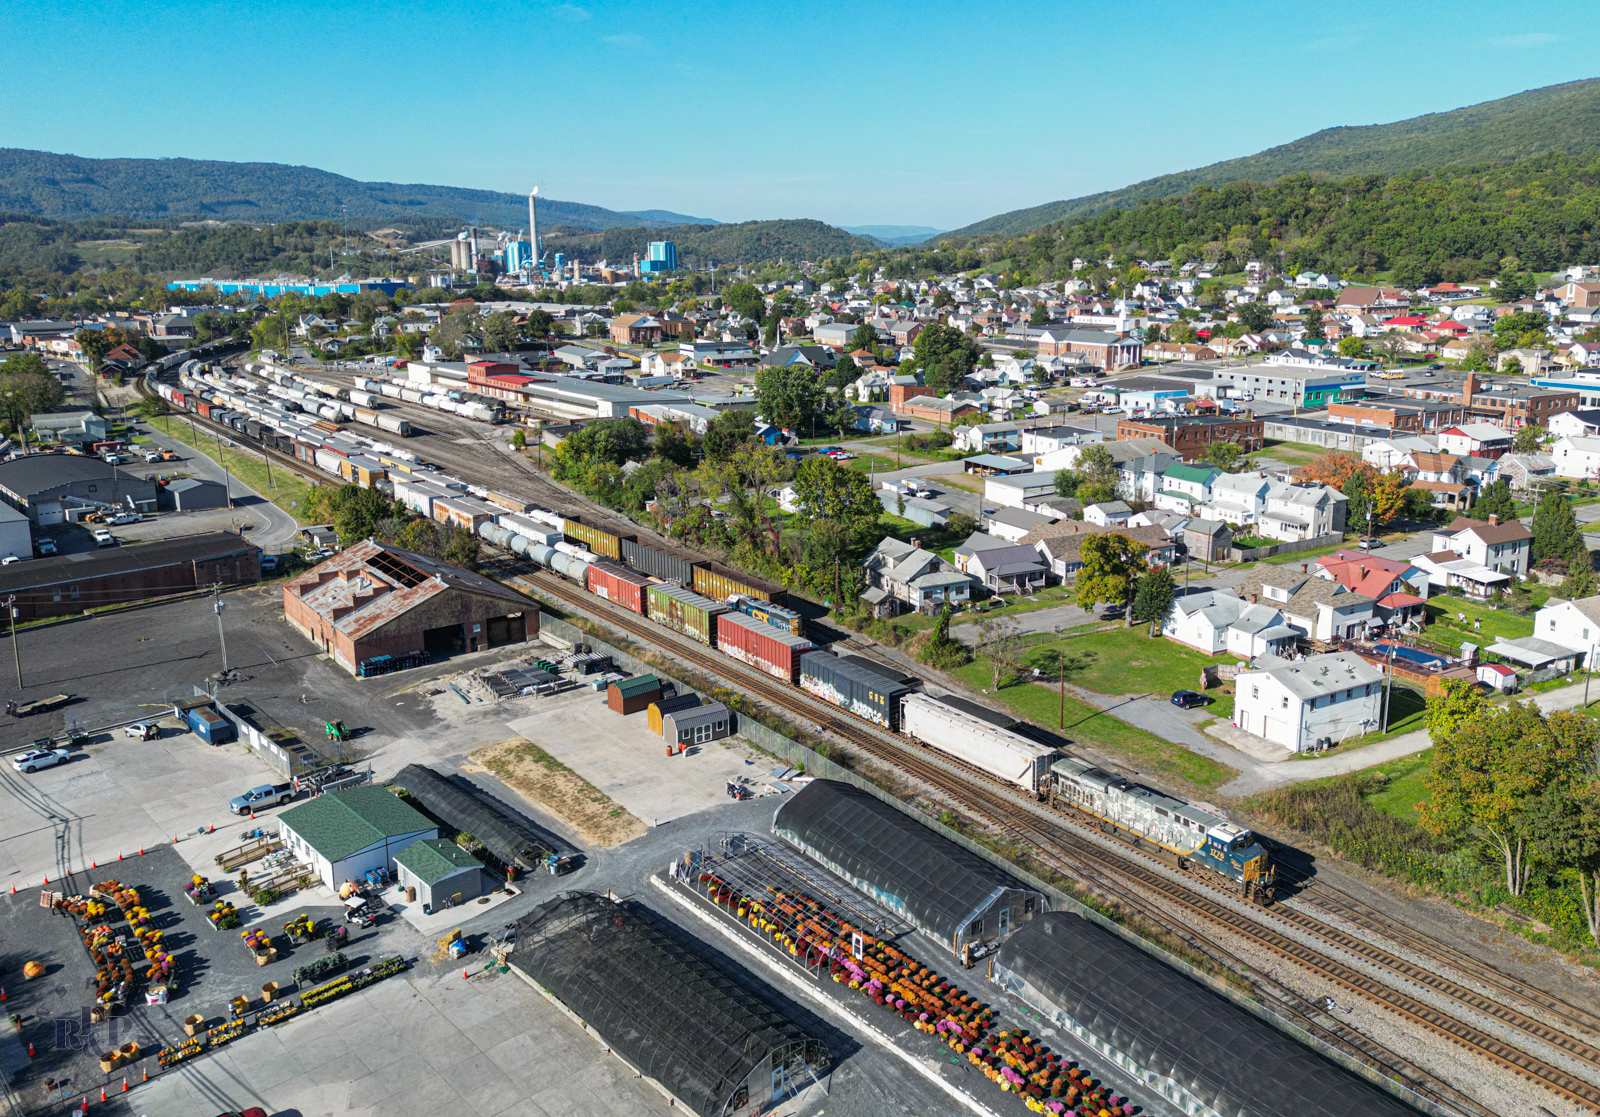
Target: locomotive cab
{"points": [[1234, 852]]}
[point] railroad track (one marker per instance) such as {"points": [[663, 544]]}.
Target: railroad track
{"points": [[1054, 835]]}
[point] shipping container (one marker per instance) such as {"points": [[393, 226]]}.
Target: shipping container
{"points": [[660, 561], [684, 611], [864, 693], [668, 706], [775, 615], [717, 581], [600, 536], [617, 584], [632, 695], [761, 645], [210, 726], [1000, 752]]}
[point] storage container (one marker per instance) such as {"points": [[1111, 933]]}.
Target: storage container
{"points": [[670, 705], [601, 537], [632, 695], [764, 647]]}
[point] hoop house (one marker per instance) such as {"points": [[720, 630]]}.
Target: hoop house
{"points": [[511, 838]]}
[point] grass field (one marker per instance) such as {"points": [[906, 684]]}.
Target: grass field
{"points": [[1444, 614], [1404, 789], [287, 490], [1126, 661], [1144, 752]]}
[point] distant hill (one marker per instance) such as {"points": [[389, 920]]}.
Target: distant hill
{"points": [[68, 187], [701, 245], [1556, 118], [894, 236]]}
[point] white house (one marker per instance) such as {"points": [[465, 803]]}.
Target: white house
{"points": [[1474, 438], [345, 834], [1577, 456], [1318, 608], [1238, 498], [1391, 453], [1578, 423], [1574, 625], [1318, 701], [1111, 513], [1296, 512], [1183, 488], [1507, 548], [1215, 621]]}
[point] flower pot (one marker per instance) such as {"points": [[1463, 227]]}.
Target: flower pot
{"points": [[193, 1024], [128, 1052], [268, 991], [31, 970], [110, 1061]]}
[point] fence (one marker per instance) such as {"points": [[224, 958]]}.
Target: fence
{"points": [[1253, 554], [815, 764], [286, 762]]}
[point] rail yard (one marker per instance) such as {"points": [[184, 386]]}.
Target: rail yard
{"points": [[1330, 938]]}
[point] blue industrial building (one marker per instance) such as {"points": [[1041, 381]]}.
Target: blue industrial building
{"points": [[266, 290], [662, 256], [517, 256]]}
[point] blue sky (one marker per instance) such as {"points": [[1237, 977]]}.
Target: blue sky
{"points": [[889, 113]]}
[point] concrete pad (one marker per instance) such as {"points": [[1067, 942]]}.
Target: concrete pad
{"points": [[621, 757], [440, 923]]}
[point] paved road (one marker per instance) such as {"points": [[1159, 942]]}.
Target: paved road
{"points": [[273, 529]]}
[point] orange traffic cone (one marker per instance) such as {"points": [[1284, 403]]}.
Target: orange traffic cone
{"points": [[30, 1050], [146, 1077], [86, 1103], [252, 816], [141, 851], [94, 864], [213, 829], [102, 1093], [47, 880], [2, 994], [463, 973], [119, 855], [124, 1084]]}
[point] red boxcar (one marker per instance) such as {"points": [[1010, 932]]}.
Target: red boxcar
{"points": [[203, 407], [761, 645], [617, 584]]}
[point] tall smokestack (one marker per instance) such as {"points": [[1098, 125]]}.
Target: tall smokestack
{"points": [[474, 231], [533, 232]]}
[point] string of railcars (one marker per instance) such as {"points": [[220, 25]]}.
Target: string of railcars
{"points": [[743, 617]]}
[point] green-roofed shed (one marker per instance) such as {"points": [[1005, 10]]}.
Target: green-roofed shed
{"points": [[635, 694], [345, 834], [439, 871]]}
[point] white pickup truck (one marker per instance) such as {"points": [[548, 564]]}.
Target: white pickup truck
{"points": [[260, 798]]}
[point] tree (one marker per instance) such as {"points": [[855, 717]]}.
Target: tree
{"points": [[961, 525], [940, 649], [1523, 329], [27, 388], [1097, 467], [609, 442], [500, 332], [1496, 500], [1068, 482], [1152, 599], [1565, 823], [1351, 347], [1312, 320], [1224, 455], [95, 344], [943, 351], [843, 373], [353, 511], [540, 323], [789, 397], [671, 444], [1337, 470], [1000, 639], [1152, 333], [1255, 317], [1112, 564], [519, 439], [824, 490], [844, 417], [1555, 529], [1528, 439], [1490, 766], [864, 337], [1387, 494], [726, 432], [1039, 315]]}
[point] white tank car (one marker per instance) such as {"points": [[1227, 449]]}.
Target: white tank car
{"points": [[1000, 752]]}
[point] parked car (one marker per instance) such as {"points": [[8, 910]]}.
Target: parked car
{"points": [[9, 559], [46, 546], [143, 731], [1370, 544], [262, 797], [38, 758], [269, 563], [103, 538], [1190, 699]]}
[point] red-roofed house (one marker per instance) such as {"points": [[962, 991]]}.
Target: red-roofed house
{"points": [[1389, 582]]}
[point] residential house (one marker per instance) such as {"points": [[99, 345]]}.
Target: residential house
{"points": [[1320, 608], [1393, 453], [1483, 440], [1111, 513], [1184, 488], [1506, 547], [1526, 471], [1011, 524], [1012, 568], [1582, 422], [1298, 512], [1577, 456], [1208, 540], [903, 576], [1311, 703], [1575, 625], [1139, 461], [1047, 440], [1214, 621], [1058, 544], [1399, 588]]}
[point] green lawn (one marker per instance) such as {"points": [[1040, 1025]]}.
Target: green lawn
{"points": [[1126, 661], [1404, 789], [1496, 624], [287, 490], [1144, 752]]}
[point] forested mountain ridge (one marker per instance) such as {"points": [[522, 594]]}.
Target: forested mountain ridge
{"points": [[1454, 223], [70, 187], [702, 245], [1555, 118]]}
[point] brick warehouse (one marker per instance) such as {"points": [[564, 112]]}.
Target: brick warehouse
{"points": [[1189, 435], [64, 584], [373, 599]]}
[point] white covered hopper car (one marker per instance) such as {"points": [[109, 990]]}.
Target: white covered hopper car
{"points": [[1003, 754]]}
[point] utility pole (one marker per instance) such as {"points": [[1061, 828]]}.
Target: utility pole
{"points": [[218, 605], [1061, 673], [223, 462], [11, 607], [1388, 687]]}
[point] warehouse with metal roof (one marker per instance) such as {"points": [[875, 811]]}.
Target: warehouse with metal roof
{"points": [[944, 890], [343, 835], [1195, 1047], [679, 1014]]}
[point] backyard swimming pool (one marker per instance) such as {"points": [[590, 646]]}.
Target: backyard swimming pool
{"points": [[1415, 655]]}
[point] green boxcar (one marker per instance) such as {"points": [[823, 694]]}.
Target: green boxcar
{"points": [[685, 611]]}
